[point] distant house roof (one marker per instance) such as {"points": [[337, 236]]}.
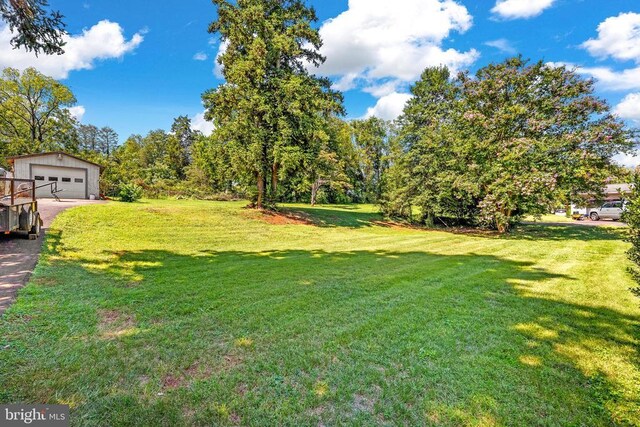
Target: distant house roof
{"points": [[12, 158], [617, 188]]}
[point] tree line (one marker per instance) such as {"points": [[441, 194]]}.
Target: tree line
{"points": [[515, 138]]}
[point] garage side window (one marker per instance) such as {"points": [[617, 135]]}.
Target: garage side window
{"points": [[66, 179], [80, 180], [53, 178], [39, 178]]}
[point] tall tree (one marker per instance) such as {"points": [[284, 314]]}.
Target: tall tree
{"points": [[184, 138], [88, 137], [33, 111], [270, 108], [107, 139], [372, 142], [181, 128], [328, 166], [34, 27]]}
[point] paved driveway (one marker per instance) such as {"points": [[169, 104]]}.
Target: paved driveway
{"points": [[583, 223], [18, 255]]}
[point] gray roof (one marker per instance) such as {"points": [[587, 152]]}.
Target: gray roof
{"points": [[617, 188]]}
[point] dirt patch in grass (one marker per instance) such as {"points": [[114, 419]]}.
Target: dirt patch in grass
{"points": [[170, 382], [235, 418], [362, 403], [113, 323], [281, 217]]}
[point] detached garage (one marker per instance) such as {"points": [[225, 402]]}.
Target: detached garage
{"points": [[74, 178]]}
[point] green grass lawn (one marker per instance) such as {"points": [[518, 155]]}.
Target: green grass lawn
{"points": [[551, 218], [186, 312]]}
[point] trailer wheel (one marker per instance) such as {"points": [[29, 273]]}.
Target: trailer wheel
{"points": [[35, 228]]}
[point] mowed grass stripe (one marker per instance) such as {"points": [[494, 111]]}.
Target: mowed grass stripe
{"points": [[186, 312]]}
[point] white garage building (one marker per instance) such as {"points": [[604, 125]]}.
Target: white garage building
{"points": [[74, 178]]}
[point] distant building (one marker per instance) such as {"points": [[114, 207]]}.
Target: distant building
{"points": [[74, 178]]}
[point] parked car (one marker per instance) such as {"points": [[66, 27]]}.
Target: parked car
{"points": [[609, 210]]}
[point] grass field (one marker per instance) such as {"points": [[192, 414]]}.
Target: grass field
{"points": [[181, 312]]}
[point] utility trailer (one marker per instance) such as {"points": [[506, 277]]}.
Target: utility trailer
{"points": [[19, 207]]}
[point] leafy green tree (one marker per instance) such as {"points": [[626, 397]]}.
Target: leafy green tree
{"points": [[210, 168], [181, 128], [180, 147], [505, 143], [271, 108], [632, 217], [35, 28], [372, 142], [328, 166], [34, 113], [426, 171]]}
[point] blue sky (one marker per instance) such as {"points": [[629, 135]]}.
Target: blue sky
{"points": [[134, 68]]}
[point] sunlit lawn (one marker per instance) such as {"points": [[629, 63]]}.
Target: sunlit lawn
{"points": [[180, 312], [551, 218]]}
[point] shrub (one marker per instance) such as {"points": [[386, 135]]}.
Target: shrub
{"points": [[632, 217], [130, 192]]}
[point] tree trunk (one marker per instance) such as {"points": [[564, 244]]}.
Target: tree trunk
{"points": [[274, 181], [314, 192], [314, 189], [259, 202]]}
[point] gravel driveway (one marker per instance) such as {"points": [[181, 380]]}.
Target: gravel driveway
{"points": [[18, 255]]}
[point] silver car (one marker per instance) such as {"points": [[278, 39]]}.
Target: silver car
{"points": [[609, 210]]}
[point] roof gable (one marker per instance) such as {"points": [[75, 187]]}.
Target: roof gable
{"points": [[48, 153]]}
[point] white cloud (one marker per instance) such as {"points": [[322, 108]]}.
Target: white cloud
{"points": [[377, 39], [200, 56], [218, 67], [629, 108], [514, 9], [606, 77], [618, 37], [77, 112], [105, 40], [503, 45], [614, 80], [628, 160], [198, 122], [389, 107], [383, 89]]}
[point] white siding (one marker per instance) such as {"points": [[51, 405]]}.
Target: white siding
{"points": [[22, 169]]}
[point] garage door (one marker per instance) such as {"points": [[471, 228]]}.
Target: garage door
{"points": [[71, 181]]}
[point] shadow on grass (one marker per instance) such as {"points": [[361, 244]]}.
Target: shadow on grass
{"points": [[330, 217], [397, 337], [566, 232]]}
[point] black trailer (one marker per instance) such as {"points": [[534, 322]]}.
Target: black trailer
{"points": [[19, 207]]}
